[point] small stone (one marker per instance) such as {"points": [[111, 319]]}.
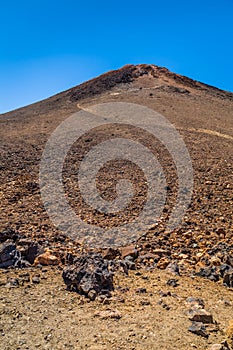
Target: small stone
{"points": [[222, 346], [100, 298], [129, 258], [197, 303], [36, 279], [114, 314], [173, 268], [164, 294], [12, 283], [217, 347], [144, 302], [22, 342], [138, 273], [172, 282], [215, 261], [92, 294], [199, 329], [106, 301], [163, 263], [130, 264], [46, 258], [118, 299], [24, 274], [140, 290], [212, 327], [129, 250], [48, 337], [166, 307], [200, 315]]}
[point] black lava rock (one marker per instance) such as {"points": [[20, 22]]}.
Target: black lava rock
{"points": [[9, 255], [209, 272], [87, 274]]}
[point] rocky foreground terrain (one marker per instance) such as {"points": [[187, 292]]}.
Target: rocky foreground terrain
{"points": [[165, 290]]}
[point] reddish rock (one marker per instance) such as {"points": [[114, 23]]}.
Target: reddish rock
{"points": [[129, 250], [46, 258], [110, 253]]}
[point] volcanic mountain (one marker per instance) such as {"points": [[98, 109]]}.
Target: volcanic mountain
{"points": [[203, 116]]}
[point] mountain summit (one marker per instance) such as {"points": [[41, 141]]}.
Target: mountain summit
{"points": [[131, 74]]}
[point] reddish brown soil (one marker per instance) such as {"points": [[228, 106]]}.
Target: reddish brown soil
{"points": [[204, 117]]}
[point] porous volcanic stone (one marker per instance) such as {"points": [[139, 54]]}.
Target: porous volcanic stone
{"points": [[9, 255], [89, 273]]}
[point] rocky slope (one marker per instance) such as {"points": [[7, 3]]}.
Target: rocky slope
{"points": [[200, 247]]}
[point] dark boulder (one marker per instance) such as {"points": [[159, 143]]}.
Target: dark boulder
{"points": [[9, 255], [89, 275]]}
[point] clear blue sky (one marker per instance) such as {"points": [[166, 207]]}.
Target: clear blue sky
{"points": [[48, 46]]}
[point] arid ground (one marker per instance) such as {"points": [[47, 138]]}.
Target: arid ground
{"points": [[145, 311]]}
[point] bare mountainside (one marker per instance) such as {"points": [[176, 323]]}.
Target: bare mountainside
{"points": [[149, 313]]}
